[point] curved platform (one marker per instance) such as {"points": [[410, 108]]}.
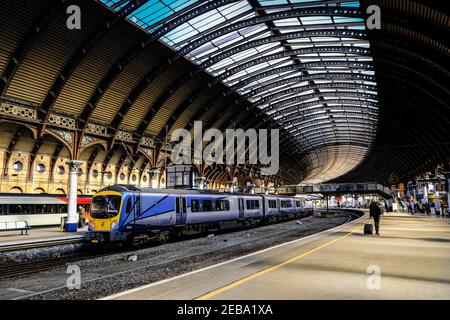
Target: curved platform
{"points": [[410, 260]]}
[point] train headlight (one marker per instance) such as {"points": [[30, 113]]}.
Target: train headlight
{"points": [[113, 225]]}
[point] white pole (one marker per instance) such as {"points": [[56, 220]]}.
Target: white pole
{"points": [[72, 214], [154, 175], [201, 183], [230, 185]]}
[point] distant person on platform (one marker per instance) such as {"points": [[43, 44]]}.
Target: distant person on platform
{"points": [[412, 206], [375, 213]]}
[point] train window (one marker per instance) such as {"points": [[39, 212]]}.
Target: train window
{"points": [[298, 204], [105, 207], [222, 205], [201, 205], [195, 205], [42, 208], [207, 205], [21, 209], [252, 204], [272, 204], [286, 204]]}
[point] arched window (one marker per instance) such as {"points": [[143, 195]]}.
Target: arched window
{"points": [[39, 190], [16, 190], [60, 191], [18, 166], [61, 170], [95, 173], [40, 168], [80, 192]]}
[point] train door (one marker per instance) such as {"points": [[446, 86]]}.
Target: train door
{"points": [[241, 208], [180, 208], [279, 206]]}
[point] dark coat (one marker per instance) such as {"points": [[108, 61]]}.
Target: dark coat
{"points": [[374, 210]]}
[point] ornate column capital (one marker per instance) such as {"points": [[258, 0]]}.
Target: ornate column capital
{"points": [[74, 165], [154, 172], [231, 183]]}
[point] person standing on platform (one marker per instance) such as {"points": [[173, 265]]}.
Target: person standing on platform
{"points": [[375, 213], [82, 220]]}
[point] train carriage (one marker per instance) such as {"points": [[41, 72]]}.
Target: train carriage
{"points": [[36, 209], [122, 212]]}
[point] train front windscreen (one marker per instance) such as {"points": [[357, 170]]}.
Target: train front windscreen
{"points": [[105, 207]]}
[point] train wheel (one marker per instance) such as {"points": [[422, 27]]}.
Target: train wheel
{"points": [[163, 236]]}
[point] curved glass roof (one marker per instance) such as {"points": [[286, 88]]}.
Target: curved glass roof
{"points": [[306, 63]]}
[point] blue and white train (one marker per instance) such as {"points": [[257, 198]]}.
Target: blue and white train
{"points": [[126, 213]]}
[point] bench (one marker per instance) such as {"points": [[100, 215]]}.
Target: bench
{"points": [[15, 226]]}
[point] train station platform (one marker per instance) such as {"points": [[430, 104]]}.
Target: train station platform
{"points": [[38, 237], [410, 260]]}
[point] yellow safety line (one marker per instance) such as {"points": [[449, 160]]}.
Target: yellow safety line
{"points": [[262, 272]]}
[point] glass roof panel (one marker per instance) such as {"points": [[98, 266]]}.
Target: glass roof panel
{"points": [[312, 71]]}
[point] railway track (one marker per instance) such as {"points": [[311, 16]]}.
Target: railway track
{"points": [[48, 264], [14, 270]]}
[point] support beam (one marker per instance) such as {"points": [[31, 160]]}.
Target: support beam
{"points": [[33, 155], [77, 57], [10, 149], [90, 162], [53, 160], [132, 54], [39, 26]]}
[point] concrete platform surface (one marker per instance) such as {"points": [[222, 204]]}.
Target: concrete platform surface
{"points": [[10, 238], [410, 260]]}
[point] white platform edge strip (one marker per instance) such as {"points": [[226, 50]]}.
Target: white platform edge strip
{"points": [[154, 284]]}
